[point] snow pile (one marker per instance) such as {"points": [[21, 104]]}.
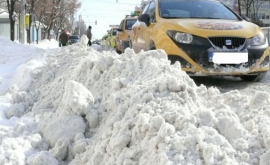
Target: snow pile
{"points": [[11, 56], [97, 107]]}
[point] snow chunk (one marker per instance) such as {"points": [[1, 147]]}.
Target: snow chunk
{"points": [[42, 158], [264, 158], [77, 98], [59, 125]]}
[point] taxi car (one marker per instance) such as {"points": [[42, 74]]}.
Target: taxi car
{"points": [[123, 33], [111, 36], [104, 40], [205, 36]]}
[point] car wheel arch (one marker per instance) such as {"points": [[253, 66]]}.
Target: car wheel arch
{"points": [[254, 78]]}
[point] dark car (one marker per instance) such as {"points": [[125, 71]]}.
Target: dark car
{"points": [[73, 39], [96, 42]]}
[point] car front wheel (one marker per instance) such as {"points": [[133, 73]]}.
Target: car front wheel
{"points": [[117, 51], [130, 44]]}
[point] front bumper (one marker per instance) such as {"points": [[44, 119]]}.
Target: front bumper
{"points": [[195, 59]]}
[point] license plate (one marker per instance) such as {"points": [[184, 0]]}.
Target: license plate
{"points": [[228, 57]]}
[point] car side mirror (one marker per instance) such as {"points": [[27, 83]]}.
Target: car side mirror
{"points": [[145, 18], [246, 18]]}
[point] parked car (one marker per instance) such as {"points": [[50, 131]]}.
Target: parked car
{"points": [[123, 33], [72, 39], [111, 36], [206, 37], [96, 42], [104, 41]]}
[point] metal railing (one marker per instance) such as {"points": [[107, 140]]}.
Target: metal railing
{"points": [[266, 31]]}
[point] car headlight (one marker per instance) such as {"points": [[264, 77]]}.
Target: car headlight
{"points": [[180, 37], [258, 40]]}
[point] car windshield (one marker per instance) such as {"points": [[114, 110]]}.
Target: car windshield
{"points": [[73, 37], [195, 9], [130, 23]]}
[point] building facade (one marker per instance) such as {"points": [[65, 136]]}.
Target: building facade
{"points": [[5, 28], [261, 10]]}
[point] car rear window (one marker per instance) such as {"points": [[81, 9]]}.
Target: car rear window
{"points": [[130, 23], [195, 9], [114, 32]]}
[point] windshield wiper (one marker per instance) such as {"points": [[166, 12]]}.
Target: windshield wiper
{"points": [[206, 17], [175, 17]]}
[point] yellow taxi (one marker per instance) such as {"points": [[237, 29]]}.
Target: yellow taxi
{"points": [[104, 41], [205, 36], [111, 36], [123, 33]]}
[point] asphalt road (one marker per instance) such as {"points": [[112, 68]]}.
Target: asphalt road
{"points": [[225, 84]]}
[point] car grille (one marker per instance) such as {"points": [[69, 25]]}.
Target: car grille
{"points": [[228, 42]]}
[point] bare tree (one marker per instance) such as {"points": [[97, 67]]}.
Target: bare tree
{"points": [[48, 13], [12, 16], [256, 5], [55, 13], [66, 14], [247, 5], [51, 16], [39, 11]]}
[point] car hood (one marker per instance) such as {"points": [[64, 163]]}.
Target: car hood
{"points": [[210, 27]]}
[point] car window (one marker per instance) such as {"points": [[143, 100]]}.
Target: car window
{"points": [[130, 23], [195, 9], [145, 8], [114, 32], [122, 24], [151, 11]]}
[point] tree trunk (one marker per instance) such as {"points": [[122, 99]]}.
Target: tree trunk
{"points": [[10, 6], [49, 31], [12, 27], [247, 12], [48, 34]]}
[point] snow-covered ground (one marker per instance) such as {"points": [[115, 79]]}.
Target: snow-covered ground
{"points": [[82, 105]]}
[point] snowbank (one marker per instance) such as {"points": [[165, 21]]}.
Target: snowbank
{"points": [[97, 107]]}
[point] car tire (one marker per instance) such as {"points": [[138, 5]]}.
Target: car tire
{"points": [[257, 78], [117, 51], [125, 45], [130, 44]]}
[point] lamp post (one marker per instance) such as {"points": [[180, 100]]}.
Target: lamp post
{"points": [[27, 22]]}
